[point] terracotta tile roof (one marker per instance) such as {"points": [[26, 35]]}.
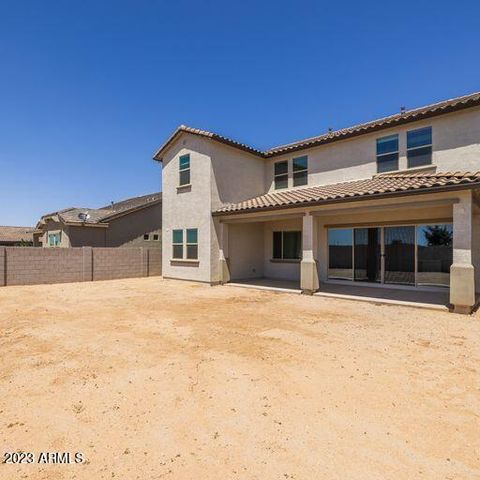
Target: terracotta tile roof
{"points": [[379, 185], [408, 116], [16, 234], [104, 214]]}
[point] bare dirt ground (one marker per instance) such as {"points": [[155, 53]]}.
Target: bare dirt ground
{"points": [[158, 379]]}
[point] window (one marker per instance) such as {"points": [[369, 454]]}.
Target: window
{"points": [[340, 253], [192, 243], [54, 239], [287, 245], [300, 171], [178, 244], [387, 153], [156, 237], [184, 169], [419, 147], [281, 175], [190, 247], [146, 236]]}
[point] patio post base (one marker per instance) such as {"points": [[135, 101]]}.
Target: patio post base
{"points": [[224, 271], [309, 276], [462, 287]]}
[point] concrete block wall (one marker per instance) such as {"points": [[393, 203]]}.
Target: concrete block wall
{"points": [[110, 263], [31, 266]]}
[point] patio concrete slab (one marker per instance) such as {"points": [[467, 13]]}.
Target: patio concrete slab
{"points": [[393, 296]]}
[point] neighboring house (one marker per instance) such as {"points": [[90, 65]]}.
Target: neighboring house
{"points": [[134, 222], [16, 236], [392, 202]]}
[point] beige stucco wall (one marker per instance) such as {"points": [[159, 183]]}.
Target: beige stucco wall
{"points": [[128, 230], [218, 174], [456, 146], [55, 227], [246, 250]]}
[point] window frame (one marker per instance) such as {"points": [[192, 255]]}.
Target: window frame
{"points": [[418, 147], [276, 176], [183, 170], [56, 235], [177, 244], [299, 171], [156, 235], [282, 246], [146, 237], [380, 155], [191, 244], [185, 243]]}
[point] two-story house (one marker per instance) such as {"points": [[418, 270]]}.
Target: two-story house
{"points": [[389, 203]]}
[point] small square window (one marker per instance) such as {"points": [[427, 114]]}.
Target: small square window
{"points": [[155, 237], [146, 236]]}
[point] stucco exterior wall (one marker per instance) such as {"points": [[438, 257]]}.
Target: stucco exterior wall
{"points": [[87, 236], [456, 146], [55, 227], [246, 250], [187, 207], [128, 230], [218, 174]]}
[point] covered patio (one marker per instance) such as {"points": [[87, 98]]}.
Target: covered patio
{"points": [[417, 249], [437, 300]]}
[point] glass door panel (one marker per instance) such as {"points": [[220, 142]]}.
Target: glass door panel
{"points": [[434, 254], [400, 255], [367, 254], [340, 256]]}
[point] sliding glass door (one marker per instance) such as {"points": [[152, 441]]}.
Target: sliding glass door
{"points": [[400, 255], [367, 259]]}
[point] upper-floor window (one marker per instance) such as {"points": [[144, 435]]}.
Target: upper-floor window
{"points": [[287, 245], [387, 153], [146, 236], [300, 171], [419, 147], [184, 169], [54, 239], [185, 245], [281, 175]]}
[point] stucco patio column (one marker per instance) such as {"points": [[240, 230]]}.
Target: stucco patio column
{"points": [[308, 267], [224, 269], [462, 272]]}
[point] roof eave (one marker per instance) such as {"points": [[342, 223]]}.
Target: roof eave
{"points": [[375, 196]]}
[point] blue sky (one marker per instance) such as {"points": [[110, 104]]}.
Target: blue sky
{"points": [[89, 90]]}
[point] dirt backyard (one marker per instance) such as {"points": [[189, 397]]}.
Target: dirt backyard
{"points": [[162, 379]]}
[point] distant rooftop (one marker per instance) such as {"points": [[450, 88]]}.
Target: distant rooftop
{"points": [[85, 215]]}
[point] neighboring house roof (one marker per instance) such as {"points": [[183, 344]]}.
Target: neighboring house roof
{"points": [[432, 110], [16, 234], [379, 186], [102, 215]]}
